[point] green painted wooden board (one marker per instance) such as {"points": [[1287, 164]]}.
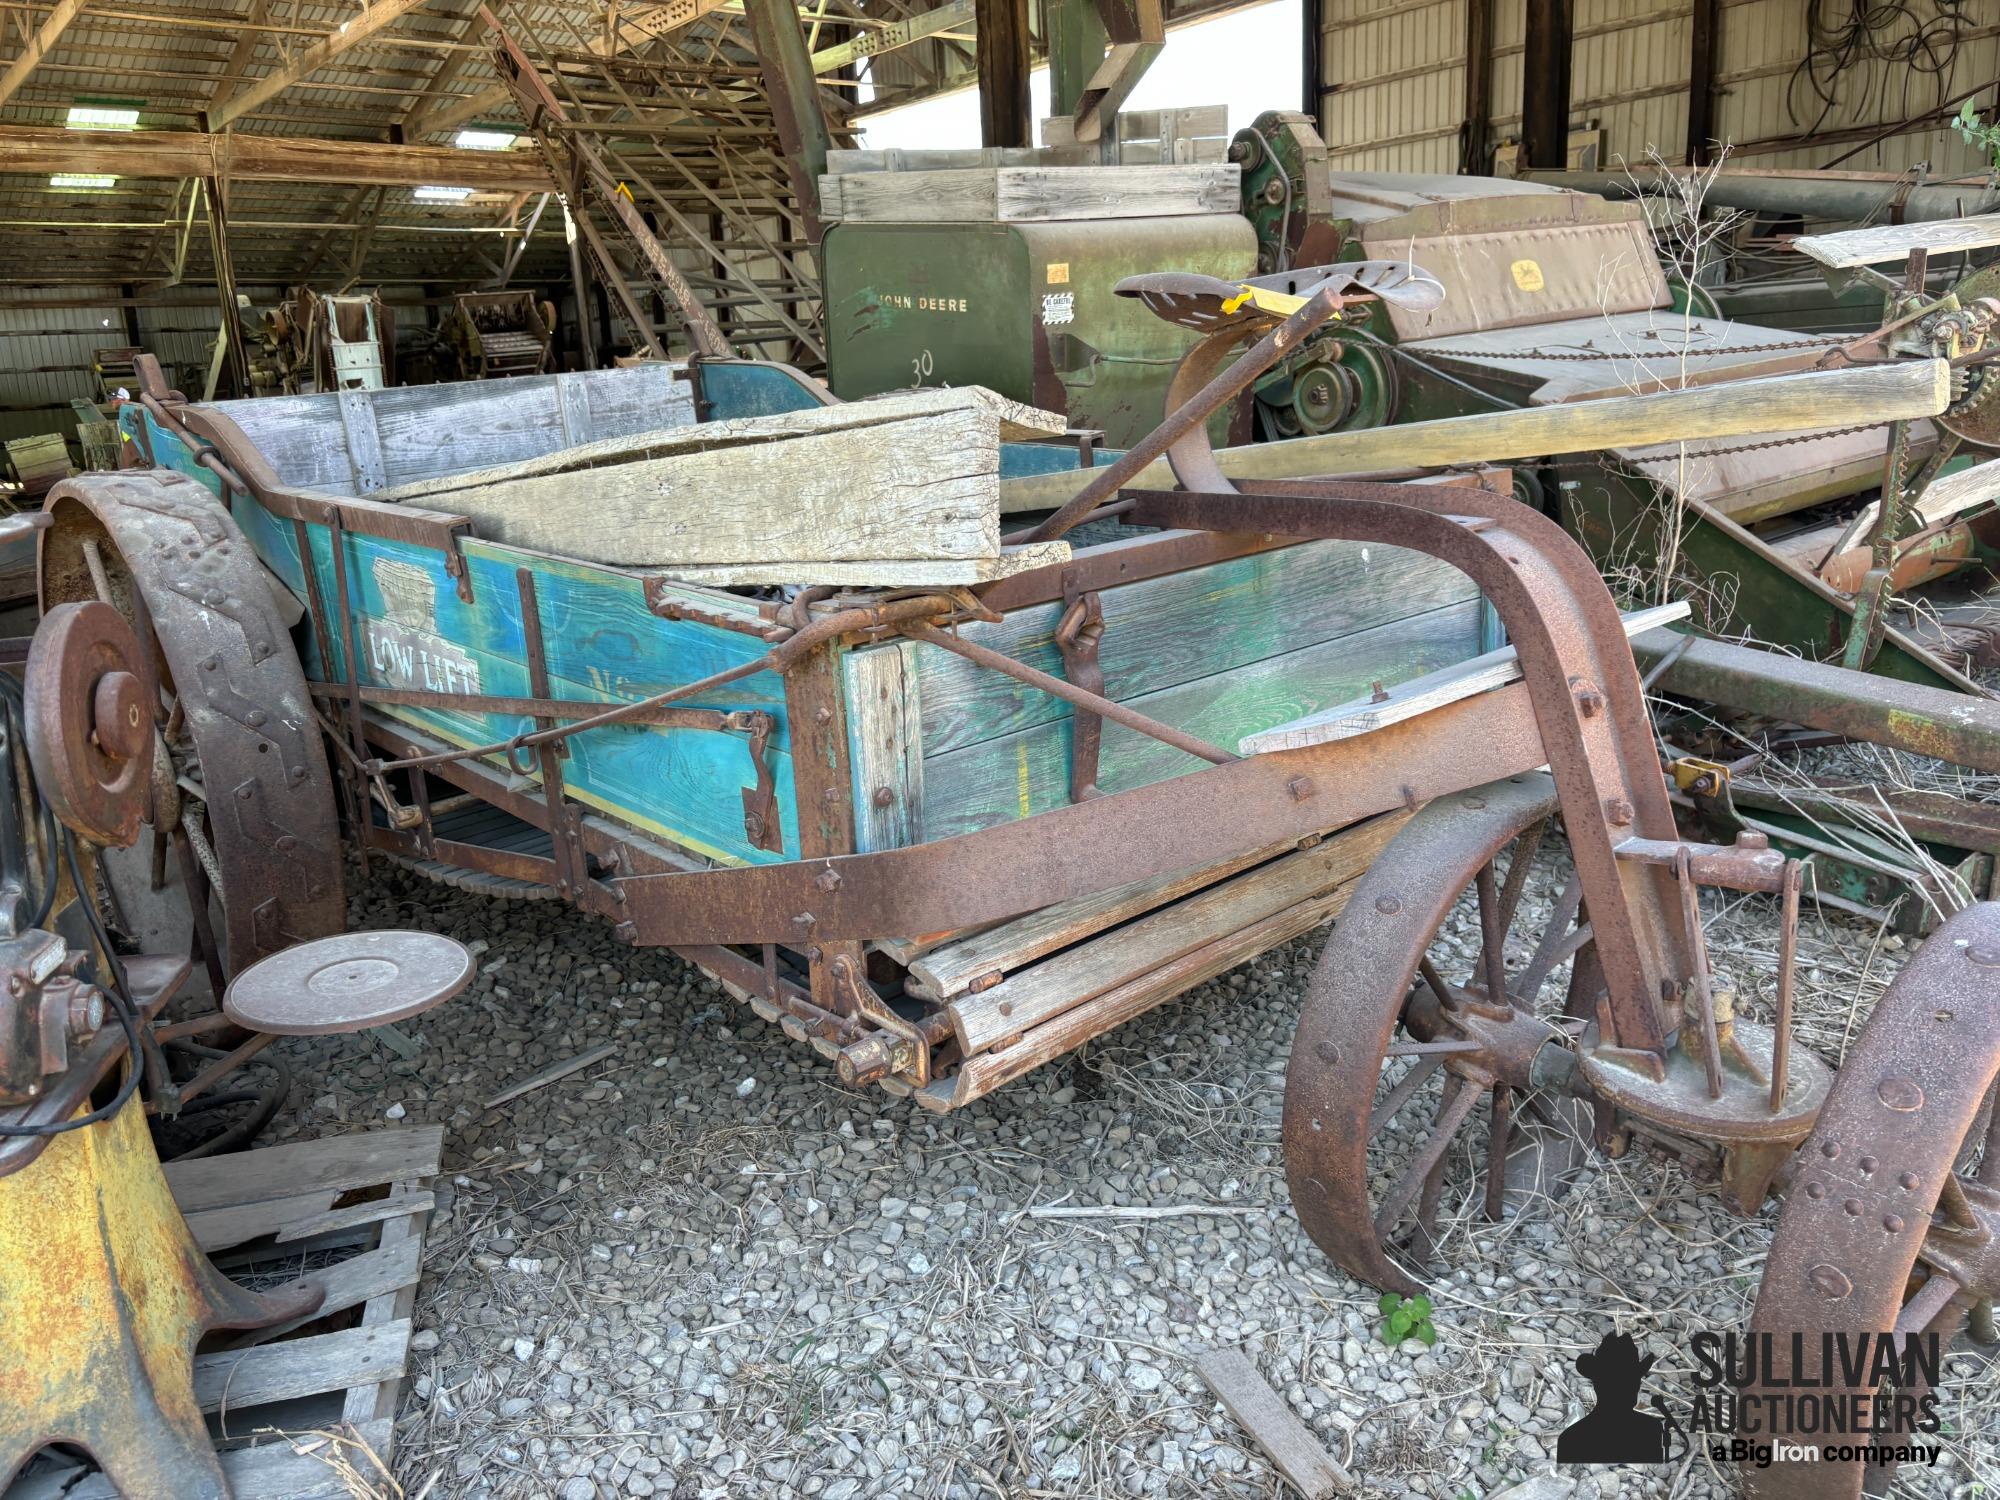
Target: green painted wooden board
{"points": [[1160, 632], [1027, 772]]}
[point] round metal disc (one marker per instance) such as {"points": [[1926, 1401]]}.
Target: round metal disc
{"points": [[89, 728], [348, 982]]}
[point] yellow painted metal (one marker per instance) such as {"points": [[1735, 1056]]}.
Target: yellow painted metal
{"points": [[103, 1296]]}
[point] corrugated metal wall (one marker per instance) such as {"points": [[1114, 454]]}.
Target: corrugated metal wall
{"points": [[1395, 76], [1395, 81]]}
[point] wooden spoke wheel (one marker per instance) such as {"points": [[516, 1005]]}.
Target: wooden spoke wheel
{"points": [[1891, 1221], [1412, 1040], [239, 793]]}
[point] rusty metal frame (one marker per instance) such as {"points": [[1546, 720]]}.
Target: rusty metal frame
{"points": [[1588, 705]]}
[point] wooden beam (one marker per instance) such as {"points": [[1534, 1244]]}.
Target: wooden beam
{"points": [[1707, 32], [265, 158], [1809, 402], [1474, 150], [1005, 118], [377, 16], [794, 98], [246, 48], [1545, 85], [38, 46], [950, 16]]}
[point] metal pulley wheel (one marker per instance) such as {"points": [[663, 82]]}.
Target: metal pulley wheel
{"points": [[242, 795], [88, 726]]}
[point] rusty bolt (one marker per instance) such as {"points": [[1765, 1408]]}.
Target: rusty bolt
{"points": [[1301, 787], [1589, 702], [86, 1012], [805, 921], [15, 985], [1327, 1052], [883, 796], [1617, 812], [1389, 905], [827, 880], [822, 715], [626, 932], [244, 793], [830, 796]]}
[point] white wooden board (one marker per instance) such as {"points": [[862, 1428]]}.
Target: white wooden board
{"points": [[1358, 716], [882, 572], [1889, 242]]}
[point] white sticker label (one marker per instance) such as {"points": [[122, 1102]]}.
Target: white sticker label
{"points": [[1058, 308]]}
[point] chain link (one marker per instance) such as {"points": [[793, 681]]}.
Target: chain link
{"points": [[1795, 346], [1783, 442]]}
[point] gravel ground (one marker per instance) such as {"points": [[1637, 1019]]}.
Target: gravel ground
{"points": [[704, 1268]]}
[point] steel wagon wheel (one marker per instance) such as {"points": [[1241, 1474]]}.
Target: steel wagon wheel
{"points": [[241, 796], [1407, 1041], [1891, 1221]]}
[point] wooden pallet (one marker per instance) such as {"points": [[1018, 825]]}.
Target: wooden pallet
{"points": [[293, 1407]]}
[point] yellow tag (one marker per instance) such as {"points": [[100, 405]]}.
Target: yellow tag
{"points": [[1058, 273], [1527, 276]]}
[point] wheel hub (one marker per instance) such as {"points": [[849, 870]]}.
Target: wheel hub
{"points": [[88, 729]]}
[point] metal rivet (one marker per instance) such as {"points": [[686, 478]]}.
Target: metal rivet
{"points": [[1900, 1094], [1830, 1151], [1327, 1052], [1909, 1182], [1617, 811], [1852, 1207], [1892, 1223], [1867, 1165], [1815, 1190], [1830, 1282], [883, 796], [1389, 905], [1986, 956]]}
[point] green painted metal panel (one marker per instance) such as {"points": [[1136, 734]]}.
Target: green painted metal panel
{"points": [[1024, 309]]}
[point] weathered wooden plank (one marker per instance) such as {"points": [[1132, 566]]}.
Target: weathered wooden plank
{"points": [[1290, 1443], [237, 1379], [1885, 242], [374, 1211], [284, 1469], [230, 1224], [1783, 403], [1033, 194], [1028, 194], [914, 476], [387, 1310], [952, 968], [1019, 774], [1419, 695], [1018, 422], [431, 430], [362, 1158], [1182, 626], [885, 730], [1034, 996], [351, 1282], [981, 1075], [897, 573]]}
